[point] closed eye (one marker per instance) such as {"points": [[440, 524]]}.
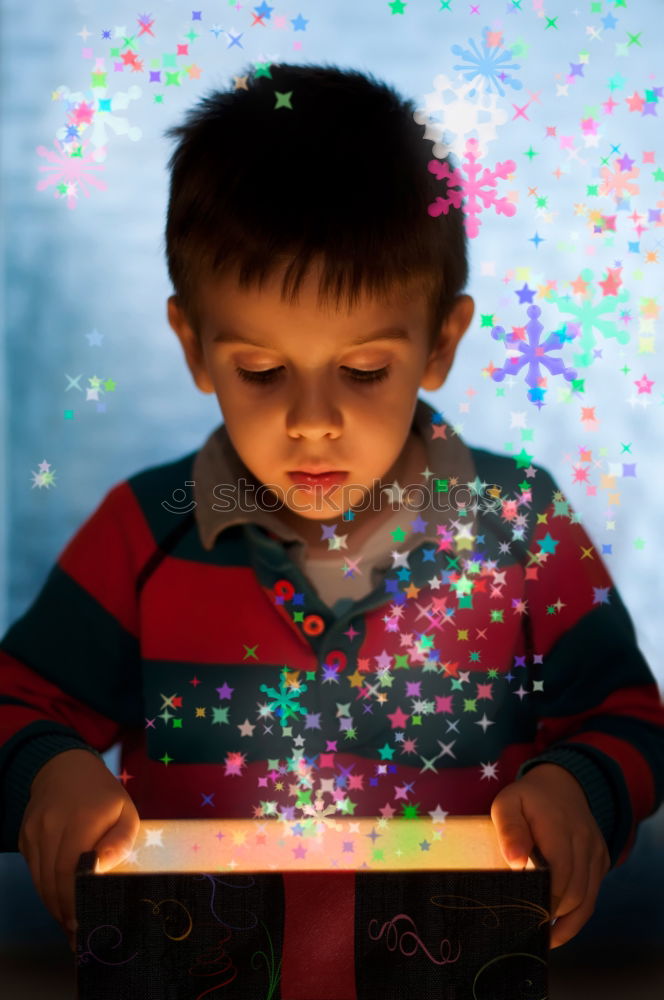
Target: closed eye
{"points": [[356, 374]]}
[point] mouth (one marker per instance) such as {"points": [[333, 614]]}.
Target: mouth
{"points": [[329, 478]]}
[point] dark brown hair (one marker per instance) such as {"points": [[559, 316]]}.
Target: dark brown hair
{"points": [[341, 175]]}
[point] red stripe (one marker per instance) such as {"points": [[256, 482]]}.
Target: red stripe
{"points": [[640, 702], [226, 611], [48, 702], [634, 766], [118, 529], [570, 577], [318, 956]]}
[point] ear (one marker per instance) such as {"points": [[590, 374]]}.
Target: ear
{"points": [[441, 357], [190, 345]]}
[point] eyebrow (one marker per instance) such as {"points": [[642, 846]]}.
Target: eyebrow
{"points": [[387, 333]]}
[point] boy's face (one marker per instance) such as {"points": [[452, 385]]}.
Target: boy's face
{"points": [[314, 412]]}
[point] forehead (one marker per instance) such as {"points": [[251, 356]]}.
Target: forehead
{"points": [[222, 299]]}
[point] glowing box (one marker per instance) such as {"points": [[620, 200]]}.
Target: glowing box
{"points": [[400, 909]]}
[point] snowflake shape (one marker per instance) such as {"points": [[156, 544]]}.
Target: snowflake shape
{"points": [[588, 316], [618, 183], [320, 814], [68, 171], [489, 64], [84, 115], [460, 117], [473, 188], [285, 702], [325, 818], [533, 353]]}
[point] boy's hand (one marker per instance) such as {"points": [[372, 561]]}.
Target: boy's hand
{"points": [[75, 805], [548, 808]]}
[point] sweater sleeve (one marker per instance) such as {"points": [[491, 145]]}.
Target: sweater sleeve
{"points": [[70, 665], [598, 709]]}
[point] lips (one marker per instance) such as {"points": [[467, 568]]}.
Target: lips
{"points": [[331, 477], [314, 472]]}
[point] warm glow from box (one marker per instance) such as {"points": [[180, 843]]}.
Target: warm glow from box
{"points": [[258, 845]]}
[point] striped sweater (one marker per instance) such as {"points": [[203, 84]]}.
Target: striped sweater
{"points": [[190, 634]]}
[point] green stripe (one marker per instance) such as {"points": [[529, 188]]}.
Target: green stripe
{"points": [[155, 486], [594, 658], [67, 637], [501, 469]]}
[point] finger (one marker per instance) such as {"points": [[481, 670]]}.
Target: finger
{"points": [[568, 926], [577, 886], [117, 842], [49, 843], [514, 836], [65, 866], [65, 877], [555, 846], [31, 855]]}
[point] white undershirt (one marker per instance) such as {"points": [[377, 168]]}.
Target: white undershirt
{"points": [[339, 591]]}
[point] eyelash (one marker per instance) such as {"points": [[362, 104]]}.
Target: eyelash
{"points": [[357, 374]]}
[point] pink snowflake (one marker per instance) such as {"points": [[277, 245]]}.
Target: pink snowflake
{"points": [[69, 171], [472, 188], [618, 182]]}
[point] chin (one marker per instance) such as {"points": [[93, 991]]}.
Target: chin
{"points": [[340, 501]]}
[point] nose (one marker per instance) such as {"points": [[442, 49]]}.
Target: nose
{"points": [[313, 411]]}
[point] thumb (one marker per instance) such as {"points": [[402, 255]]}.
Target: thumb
{"points": [[514, 835], [117, 842]]}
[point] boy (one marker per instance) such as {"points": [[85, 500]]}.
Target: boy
{"points": [[321, 643]]}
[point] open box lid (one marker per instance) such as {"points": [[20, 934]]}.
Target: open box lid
{"points": [[364, 844]]}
